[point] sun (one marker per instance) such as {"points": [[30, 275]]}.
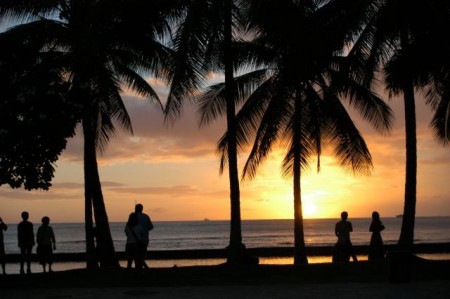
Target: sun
{"points": [[309, 210]]}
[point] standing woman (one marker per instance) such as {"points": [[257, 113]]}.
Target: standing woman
{"points": [[376, 249], [46, 243]]}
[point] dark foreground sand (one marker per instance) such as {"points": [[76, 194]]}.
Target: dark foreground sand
{"points": [[428, 279], [422, 289]]}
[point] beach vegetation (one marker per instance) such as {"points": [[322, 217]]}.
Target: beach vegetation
{"points": [[31, 93], [90, 46], [204, 43], [296, 95], [291, 69], [406, 44]]}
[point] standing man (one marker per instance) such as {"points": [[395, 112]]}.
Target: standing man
{"points": [[147, 225], [25, 236], [343, 247], [3, 227]]}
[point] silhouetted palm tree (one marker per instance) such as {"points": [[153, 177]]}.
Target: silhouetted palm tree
{"points": [[99, 46], [204, 43], [395, 33], [297, 97]]}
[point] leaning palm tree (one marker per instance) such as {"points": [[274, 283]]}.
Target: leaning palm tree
{"points": [[394, 35], [203, 43], [91, 44], [297, 97]]}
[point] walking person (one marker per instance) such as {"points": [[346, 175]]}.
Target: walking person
{"points": [[376, 248], [147, 225], [135, 242], [3, 227], [46, 243], [25, 236], [343, 247]]}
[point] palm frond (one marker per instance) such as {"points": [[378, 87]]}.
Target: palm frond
{"points": [[271, 127], [440, 124], [372, 108], [190, 44], [137, 84], [350, 147], [27, 10]]}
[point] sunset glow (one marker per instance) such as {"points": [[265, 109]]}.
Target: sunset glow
{"points": [[174, 172]]}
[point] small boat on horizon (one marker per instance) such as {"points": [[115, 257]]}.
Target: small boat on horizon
{"points": [[399, 216]]}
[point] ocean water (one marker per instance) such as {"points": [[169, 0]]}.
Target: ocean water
{"points": [[179, 235]]}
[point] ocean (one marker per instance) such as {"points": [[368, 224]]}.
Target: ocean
{"points": [[180, 235]]}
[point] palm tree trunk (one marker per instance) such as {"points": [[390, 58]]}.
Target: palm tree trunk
{"points": [[91, 258], [406, 240], [105, 247], [299, 237], [235, 246]]}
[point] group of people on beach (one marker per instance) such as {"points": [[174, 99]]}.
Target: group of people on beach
{"points": [[45, 239], [137, 231], [343, 250]]}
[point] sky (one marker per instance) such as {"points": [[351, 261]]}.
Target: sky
{"points": [[173, 170]]}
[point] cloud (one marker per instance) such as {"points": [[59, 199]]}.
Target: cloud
{"points": [[54, 194], [436, 205], [172, 191], [154, 141]]}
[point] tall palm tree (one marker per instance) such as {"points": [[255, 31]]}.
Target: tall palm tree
{"points": [[296, 96], [395, 30], [93, 48], [204, 43]]}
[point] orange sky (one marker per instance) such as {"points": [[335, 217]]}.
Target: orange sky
{"points": [[173, 171]]}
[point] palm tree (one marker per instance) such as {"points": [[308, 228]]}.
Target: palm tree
{"points": [[204, 43], [92, 46], [394, 33], [296, 97]]}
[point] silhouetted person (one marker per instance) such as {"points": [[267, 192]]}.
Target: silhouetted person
{"points": [[376, 249], [45, 239], [25, 236], [343, 247], [147, 225], [3, 227], [135, 246]]}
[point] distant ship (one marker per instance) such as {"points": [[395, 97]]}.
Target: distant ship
{"points": [[399, 216], [206, 219]]}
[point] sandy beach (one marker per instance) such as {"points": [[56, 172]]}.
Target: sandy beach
{"points": [[428, 279]]}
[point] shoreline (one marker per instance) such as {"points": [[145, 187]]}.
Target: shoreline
{"points": [[264, 252], [225, 275]]}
